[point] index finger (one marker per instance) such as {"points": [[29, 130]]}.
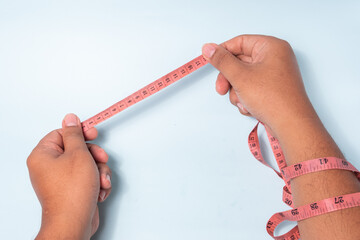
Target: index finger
{"points": [[52, 143], [245, 44], [91, 134]]}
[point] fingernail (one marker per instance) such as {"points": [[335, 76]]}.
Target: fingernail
{"points": [[108, 178], [240, 106], [71, 120], [102, 195], [208, 50]]}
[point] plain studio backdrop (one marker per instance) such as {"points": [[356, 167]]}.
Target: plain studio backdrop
{"points": [[180, 160]]}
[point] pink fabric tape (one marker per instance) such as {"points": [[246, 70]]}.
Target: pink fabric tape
{"points": [[289, 172], [145, 92]]}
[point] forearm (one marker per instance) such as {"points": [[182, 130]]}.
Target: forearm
{"points": [[307, 139]]}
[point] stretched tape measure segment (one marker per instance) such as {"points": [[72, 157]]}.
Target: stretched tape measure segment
{"points": [[145, 92]]}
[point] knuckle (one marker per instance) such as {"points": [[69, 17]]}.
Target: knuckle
{"points": [[101, 167], [29, 162], [92, 146], [279, 43], [105, 169], [53, 132], [286, 46], [233, 99], [283, 44], [243, 113], [44, 140]]}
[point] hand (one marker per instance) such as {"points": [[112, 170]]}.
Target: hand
{"points": [[263, 79], [69, 177]]}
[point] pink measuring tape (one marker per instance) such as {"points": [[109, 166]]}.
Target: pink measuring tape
{"points": [[145, 92], [289, 172], [286, 172]]}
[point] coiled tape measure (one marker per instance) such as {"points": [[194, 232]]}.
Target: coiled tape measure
{"points": [[286, 172], [289, 172]]}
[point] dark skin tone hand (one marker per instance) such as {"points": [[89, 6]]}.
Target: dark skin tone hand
{"points": [[263, 80], [69, 177]]}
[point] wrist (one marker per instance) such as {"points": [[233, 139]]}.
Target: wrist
{"points": [[305, 138], [63, 227], [299, 116], [291, 129]]}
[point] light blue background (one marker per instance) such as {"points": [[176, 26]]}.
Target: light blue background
{"points": [[180, 161]]}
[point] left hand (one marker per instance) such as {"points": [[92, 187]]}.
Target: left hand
{"points": [[69, 177]]}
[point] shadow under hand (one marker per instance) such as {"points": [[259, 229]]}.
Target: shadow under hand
{"points": [[108, 209]]}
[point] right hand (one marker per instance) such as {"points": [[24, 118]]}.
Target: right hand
{"points": [[263, 79]]}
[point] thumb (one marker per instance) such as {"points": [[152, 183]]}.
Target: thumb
{"points": [[72, 133], [223, 60]]}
